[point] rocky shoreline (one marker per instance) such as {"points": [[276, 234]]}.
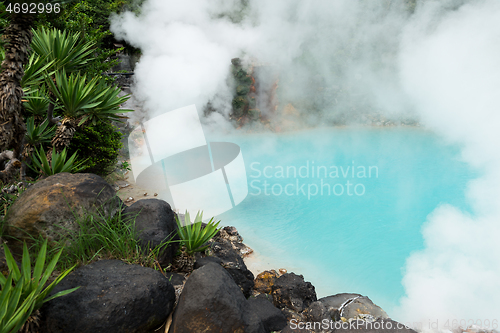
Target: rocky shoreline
{"points": [[219, 294]]}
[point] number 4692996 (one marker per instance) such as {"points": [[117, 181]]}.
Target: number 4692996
{"points": [[33, 8]]}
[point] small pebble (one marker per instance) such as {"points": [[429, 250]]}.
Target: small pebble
{"points": [[156, 194], [145, 193], [282, 271], [129, 199]]}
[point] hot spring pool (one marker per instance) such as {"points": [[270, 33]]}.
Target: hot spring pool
{"points": [[350, 238]]}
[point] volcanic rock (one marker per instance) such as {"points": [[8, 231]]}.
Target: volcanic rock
{"points": [[113, 297]]}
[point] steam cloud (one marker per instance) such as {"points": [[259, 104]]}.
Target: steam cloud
{"points": [[336, 60], [450, 68]]}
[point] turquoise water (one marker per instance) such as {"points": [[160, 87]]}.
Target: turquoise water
{"points": [[351, 241]]}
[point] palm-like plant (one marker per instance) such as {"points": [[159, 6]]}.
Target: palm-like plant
{"points": [[82, 99], [29, 291], [57, 164], [65, 50], [12, 128], [37, 102], [109, 105], [194, 236], [19, 35], [38, 134], [35, 70], [75, 93]]}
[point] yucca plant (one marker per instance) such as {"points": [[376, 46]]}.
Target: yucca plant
{"points": [[37, 101], [36, 134], [109, 105], [14, 311], [29, 291], [194, 237], [82, 99], [75, 93], [36, 70], [64, 49], [58, 163]]}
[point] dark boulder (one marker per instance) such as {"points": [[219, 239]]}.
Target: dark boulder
{"points": [[243, 278], [212, 302], [351, 305], [50, 207], [232, 261], [200, 262], [272, 318], [155, 223], [292, 292], [113, 297], [317, 312]]}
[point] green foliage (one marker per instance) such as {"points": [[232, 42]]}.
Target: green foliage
{"points": [[29, 291], [109, 104], [99, 144], [74, 93], [14, 311], [35, 70], [59, 163], [91, 19], [37, 101], [36, 134], [6, 201], [91, 99], [104, 237], [125, 166], [61, 49], [193, 236]]}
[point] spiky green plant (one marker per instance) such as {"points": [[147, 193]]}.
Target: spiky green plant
{"points": [[36, 70], [63, 48], [194, 237], [59, 162], [36, 134], [75, 93], [37, 101], [109, 104], [90, 99], [29, 291]]}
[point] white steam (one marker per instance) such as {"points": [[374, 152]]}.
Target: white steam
{"points": [[337, 59], [450, 68]]}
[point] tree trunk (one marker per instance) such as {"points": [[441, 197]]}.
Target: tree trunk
{"points": [[64, 134], [12, 127]]}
